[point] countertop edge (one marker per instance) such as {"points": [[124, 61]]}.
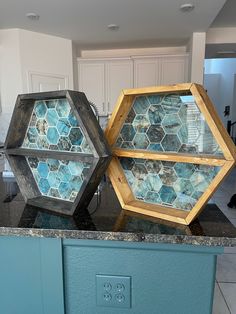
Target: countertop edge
{"points": [[119, 236]]}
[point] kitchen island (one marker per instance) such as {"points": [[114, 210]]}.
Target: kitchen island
{"points": [[106, 260]]}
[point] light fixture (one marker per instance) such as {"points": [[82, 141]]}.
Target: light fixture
{"points": [[186, 7], [33, 16], [113, 27]]}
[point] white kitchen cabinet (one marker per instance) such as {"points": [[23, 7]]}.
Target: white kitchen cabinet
{"points": [[103, 80], [160, 70]]}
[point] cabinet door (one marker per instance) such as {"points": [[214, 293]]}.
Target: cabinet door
{"points": [[146, 72], [173, 70], [92, 83], [119, 75], [40, 82]]}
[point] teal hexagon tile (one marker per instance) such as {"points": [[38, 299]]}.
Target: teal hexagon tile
{"points": [[141, 141], [64, 173], [73, 120], [152, 197], [63, 126], [52, 117], [65, 190], [154, 99], [167, 194], [42, 142], [43, 169], [153, 166], [183, 113], [156, 113], [171, 123], [190, 149], [63, 108], [51, 103], [44, 186], [32, 135], [131, 116], [171, 103], [183, 186], [53, 164], [127, 132], [140, 124], [54, 180], [171, 143], [183, 133], [41, 126], [196, 195], [139, 171], [199, 181], [184, 202], [128, 145], [76, 183], [33, 120], [33, 162], [76, 136], [52, 135], [75, 168], [184, 170], [40, 109], [140, 188], [168, 176], [154, 182], [155, 147], [127, 163], [54, 193], [129, 176], [64, 143], [141, 104], [155, 134]]}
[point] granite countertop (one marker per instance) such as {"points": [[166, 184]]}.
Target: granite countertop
{"points": [[105, 220]]}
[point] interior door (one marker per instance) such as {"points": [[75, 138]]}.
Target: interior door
{"points": [[46, 82]]}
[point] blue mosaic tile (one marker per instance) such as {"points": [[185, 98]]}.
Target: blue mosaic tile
{"points": [[172, 184], [53, 126], [169, 123], [61, 179]]}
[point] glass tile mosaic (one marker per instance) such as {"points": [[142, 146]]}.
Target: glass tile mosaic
{"points": [[53, 126], [168, 123], [177, 185], [60, 179]]}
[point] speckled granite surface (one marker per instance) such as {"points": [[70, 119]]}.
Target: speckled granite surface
{"points": [[108, 222]]}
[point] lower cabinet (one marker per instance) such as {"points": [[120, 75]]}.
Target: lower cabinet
{"points": [[164, 279], [55, 276]]}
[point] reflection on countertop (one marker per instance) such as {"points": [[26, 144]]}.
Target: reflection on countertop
{"points": [[106, 220]]}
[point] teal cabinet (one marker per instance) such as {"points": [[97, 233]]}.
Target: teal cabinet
{"points": [[58, 276], [165, 279], [31, 277]]}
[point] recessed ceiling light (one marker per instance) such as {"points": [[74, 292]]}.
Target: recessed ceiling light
{"points": [[113, 27], [186, 7], [33, 16]]}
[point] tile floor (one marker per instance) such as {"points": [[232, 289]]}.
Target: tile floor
{"points": [[225, 287]]}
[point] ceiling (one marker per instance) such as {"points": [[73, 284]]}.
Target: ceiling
{"points": [[143, 23]]}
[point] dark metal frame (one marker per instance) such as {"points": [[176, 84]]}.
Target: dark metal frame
{"points": [[93, 133]]}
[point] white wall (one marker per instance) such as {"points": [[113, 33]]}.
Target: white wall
{"points": [[10, 76], [227, 70], [45, 54], [23, 52]]}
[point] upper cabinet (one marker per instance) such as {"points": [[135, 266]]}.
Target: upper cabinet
{"points": [[160, 70], [103, 79]]}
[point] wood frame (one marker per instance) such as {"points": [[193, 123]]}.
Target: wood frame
{"points": [[116, 173], [16, 155]]}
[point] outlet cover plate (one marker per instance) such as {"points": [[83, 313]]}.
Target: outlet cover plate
{"points": [[113, 291]]}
